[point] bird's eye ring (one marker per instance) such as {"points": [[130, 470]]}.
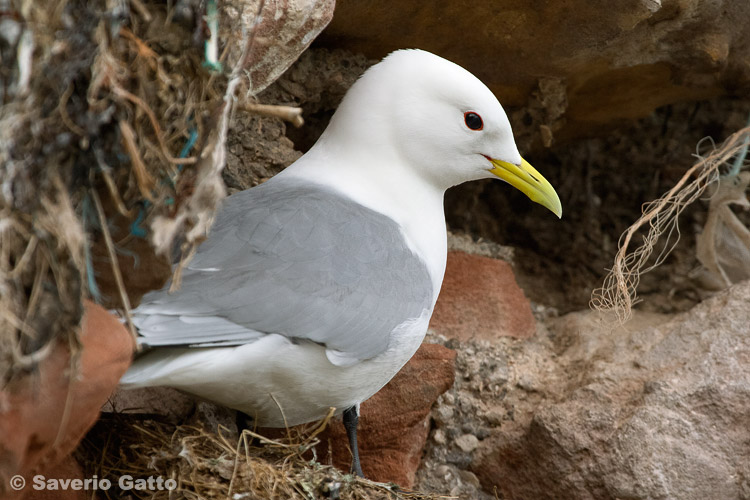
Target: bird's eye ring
{"points": [[473, 120]]}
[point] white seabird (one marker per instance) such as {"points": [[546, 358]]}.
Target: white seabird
{"points": [[316, 287]]}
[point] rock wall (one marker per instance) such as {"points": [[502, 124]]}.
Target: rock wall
{"points": [[574, 64], [588, 410]]}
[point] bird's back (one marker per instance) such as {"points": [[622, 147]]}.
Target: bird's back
{"points": [[297, 259]]}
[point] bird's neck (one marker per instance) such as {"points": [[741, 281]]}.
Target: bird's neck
{"points": [[381, 183]]}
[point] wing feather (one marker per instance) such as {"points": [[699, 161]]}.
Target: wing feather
{"points": [[295, 259]]}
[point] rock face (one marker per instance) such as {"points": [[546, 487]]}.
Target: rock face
{"points": [[574, 64], [43, 416], [481, 299], [656, 409], [257, 150], [260, 147]]}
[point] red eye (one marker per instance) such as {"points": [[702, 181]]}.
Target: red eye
{"points": [[473, 120]]}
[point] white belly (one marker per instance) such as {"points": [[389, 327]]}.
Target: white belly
{"points": [[274, 380]]}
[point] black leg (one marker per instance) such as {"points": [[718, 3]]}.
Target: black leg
{"points": [[243, 421], [351, 419]]}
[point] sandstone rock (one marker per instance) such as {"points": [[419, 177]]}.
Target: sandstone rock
{"points": [[478, 402], [573, 65], [655, 409], [469, 478], [394, 423], [45, 414], [141, 269], [481, 299]]}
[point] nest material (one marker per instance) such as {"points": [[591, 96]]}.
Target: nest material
{"points": [[221, 465], [660, 218], [724, 245], [112, 133]]}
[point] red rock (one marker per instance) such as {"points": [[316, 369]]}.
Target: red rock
{"points": [[44, 415], [67, 469], [481, 299], [394, 423]]}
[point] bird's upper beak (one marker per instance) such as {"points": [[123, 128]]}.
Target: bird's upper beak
{"points": [[526, 179]]}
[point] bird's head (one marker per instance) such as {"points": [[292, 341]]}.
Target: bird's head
{"points": [[443, 121]]}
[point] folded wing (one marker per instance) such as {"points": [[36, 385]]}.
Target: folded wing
{"points": [[296, 259]]}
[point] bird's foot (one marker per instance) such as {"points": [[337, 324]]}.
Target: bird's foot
{"points": [[351, 420]]}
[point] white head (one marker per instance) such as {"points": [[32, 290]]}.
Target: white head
{"points": [[439, 118]]}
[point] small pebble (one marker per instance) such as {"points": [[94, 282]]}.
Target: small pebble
{"points": [[465, 402], [439, 437], [444, 414], [495, 416], [528, 383], [467, 443], [443, 471], [469, 477]]}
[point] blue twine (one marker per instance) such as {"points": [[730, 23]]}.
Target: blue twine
{"points": [[740, 159], [135, 226], [188, 145], [128, 253]]}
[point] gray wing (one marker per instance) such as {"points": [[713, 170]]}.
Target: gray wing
{"points": [[296, 259]]}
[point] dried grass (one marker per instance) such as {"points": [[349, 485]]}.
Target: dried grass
{"points": [[660, 218], [222, 464]]}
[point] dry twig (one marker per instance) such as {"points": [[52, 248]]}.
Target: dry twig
{"points": [[286, 113], [114, 263]]}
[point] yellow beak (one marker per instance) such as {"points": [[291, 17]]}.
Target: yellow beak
{"points": [[526, 179]]}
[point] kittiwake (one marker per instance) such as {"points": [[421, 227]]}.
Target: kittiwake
{"points": [[313, 289]]}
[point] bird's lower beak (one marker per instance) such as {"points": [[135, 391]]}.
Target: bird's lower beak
{"points": [[526, 179]]}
